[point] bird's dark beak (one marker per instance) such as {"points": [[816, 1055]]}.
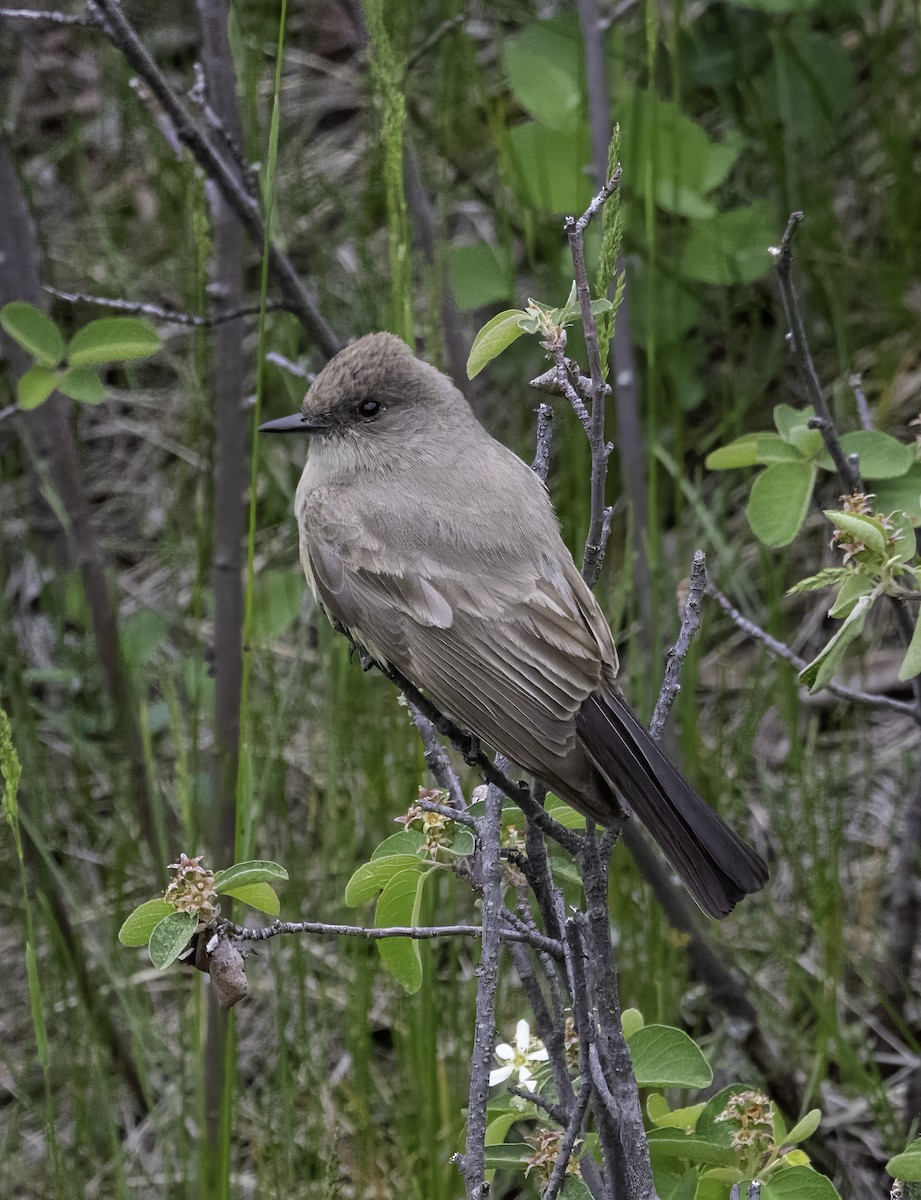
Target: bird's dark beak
{"points": [[296, 423]]}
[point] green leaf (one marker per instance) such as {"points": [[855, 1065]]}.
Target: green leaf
{"points": [[463, 843], [902, 493], [865, 529], [851, 590], [509, 1156], [772, 448], [544, 71], [804, 1128], [81, 383], [35, 387], [779, 500], [798, 1183], [631, 1020], [260, 896], [666, 1057], [907, 1165], [743, 452], [880, 456], [710, 1127], [399, 905], [828, 577], [495, 336], [244, 873], [478, 275], [564, 814], [549, 167], [140, 924], [731, 247], [574, 1188], [670, 1144], [373, 876], [500, 1125], [170, 937], [911, 663], [823, 667], [664, 1117], [905, 546], [407, 841], [34, 331], [716, 1184], [112, 339], [787, 418]]}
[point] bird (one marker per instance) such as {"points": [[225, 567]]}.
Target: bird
{"points": [[437, 549]]}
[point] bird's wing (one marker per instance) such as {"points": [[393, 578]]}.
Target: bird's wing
{"points": [[510, 653]]}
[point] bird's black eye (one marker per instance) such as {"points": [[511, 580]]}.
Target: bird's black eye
{"points": [[368, 409]]}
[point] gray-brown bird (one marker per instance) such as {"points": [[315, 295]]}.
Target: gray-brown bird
{"points": [[438, 550]]}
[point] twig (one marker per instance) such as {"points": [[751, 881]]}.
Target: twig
{"points": [[671, 684], [573, 1130], [419, 933], [550, 381], [596, 540], [170, 315], [487, 985], [855, 383], [33, 14], [565, 388], [110, 17], [541, 464], [292, 367], [198, 95], [552, 1110], [453, 814], [435, 37], [780, 650], [437, 760], [850, 475]]}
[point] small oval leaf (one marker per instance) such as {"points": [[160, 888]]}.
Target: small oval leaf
{"points": [[911, 663], [805, 1128], [83, 384], [170, 937], [260, 896], [373, 876], [743, 452], [244, 873], [407, 841], [34, 331], [140, 924], [879, 455], [865, 529], [778, 502], [399, 905], [666, 1057], [112, 339], [798, 1183], [495, 336], [907, 1165], [35, 387]]}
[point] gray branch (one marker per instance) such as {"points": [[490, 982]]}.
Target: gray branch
{"points": [[671, 684]]}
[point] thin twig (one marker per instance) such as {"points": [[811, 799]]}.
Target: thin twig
{"points": [[541, 464], [554, 1111], [446, 810], [158, 312], [671, 684], [487, 985], [435, 37], [780, 650], [573, 1129], [550, 381], [565, 388], [292, 368], [33, 14], [850, 475], [111, 18], [437, 760], [419, 933], [599, 520], [855, 383]]}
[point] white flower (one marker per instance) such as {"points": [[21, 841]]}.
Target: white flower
{"points": [[518, 1058]]}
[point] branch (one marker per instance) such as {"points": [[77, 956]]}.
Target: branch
{"points": [[474, 1167], [779, 650], [437, 760], [600, 520], [33, 14], [420, 933], [671, 684], [170, 315], [847, 470], [541, 464], [110, 17], [569, 1140]]}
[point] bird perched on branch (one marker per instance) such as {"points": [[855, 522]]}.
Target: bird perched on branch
{"points": [[439, 552]]}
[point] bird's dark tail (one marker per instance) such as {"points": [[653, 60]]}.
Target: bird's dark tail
{"points": [[715, 865]]}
